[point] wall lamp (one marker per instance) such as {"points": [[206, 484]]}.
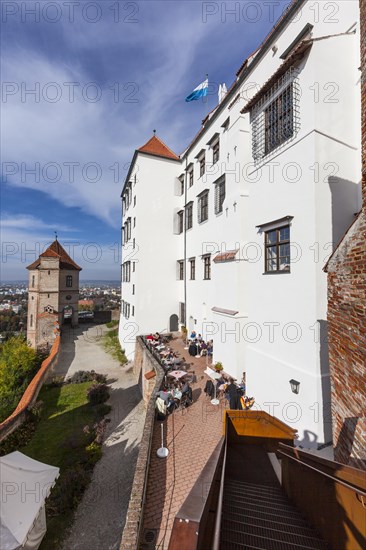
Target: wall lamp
{"points": [[295, 386]]}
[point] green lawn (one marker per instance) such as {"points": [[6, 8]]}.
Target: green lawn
{"points": [[59, 440]]}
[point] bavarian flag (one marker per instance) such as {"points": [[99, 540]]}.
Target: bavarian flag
{"points": [[200, 91]]}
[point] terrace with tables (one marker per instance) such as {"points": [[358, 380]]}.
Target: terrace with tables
{"points": [[190, 433]]}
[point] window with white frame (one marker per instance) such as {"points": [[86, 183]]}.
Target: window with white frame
{"points": [[206, 267], [202, 163], [219, 195], [180, 221], [180, 268], [275, 116], [126, 272], [189, 215], [190, 177], [192, 270], [215, 151], [203, 206], [182, 312], [277, 247], [181, 184]]}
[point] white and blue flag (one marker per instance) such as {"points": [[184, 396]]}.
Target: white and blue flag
{"points": [[200, 91]]}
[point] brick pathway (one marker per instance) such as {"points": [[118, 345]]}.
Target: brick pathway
{"points": [[191, 436]]}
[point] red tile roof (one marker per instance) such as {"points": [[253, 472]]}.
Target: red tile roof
{"points": [[55, 250], [157, 148]]}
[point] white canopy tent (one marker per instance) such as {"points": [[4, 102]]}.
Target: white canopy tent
{"points": [[24, 484]]}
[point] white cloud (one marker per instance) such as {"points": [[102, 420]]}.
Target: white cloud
{"points": [[46, 137], [30, 223]]}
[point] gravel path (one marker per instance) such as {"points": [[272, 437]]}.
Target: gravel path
{"points": [[101, 515]]}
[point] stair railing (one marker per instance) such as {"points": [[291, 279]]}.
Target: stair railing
{"points": [[217, 530]]}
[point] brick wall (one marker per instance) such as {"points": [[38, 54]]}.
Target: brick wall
{"points": [[144, 362], [347, 319]]}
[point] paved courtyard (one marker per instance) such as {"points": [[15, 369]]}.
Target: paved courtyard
{"points": [[191, 437], [101, 515]]}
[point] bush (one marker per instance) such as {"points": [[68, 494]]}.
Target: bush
{"points": [[94, 453], [19, 438], [68, 490], [112, 324], [98, 393], [102, 410], [36, 411], [82, 376]]}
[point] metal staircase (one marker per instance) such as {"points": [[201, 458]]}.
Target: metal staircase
{"points": [[256, 512]]}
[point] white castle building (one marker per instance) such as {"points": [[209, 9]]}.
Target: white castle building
{"points": [[230, 238]]}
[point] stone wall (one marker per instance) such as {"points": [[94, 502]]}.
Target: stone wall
{"points": [[144, 363], [347, 319], [30, 395]]}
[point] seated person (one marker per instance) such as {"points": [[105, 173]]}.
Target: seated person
{"points": [[161, 408], [210, 348], [150, 337], [177, 394], [192, 350], [203, 348], [193, 335], [199, 338]]}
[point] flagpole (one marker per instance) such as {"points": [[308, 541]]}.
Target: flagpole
{"points": [[205, 99]]}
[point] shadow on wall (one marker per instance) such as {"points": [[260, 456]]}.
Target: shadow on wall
{"points": [[309, 440], [344, 446], [325, 380], [346, 202]]}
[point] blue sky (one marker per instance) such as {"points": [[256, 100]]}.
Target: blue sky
{"points": [[105, 74]]}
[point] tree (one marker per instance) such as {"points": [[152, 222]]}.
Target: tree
{"points": [[18, 364]]}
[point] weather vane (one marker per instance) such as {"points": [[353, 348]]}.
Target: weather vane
{"points": [[56, 235]]}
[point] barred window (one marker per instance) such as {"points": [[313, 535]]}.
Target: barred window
{"points": [[189, 215], [219, 195], [277, 249], [206, 266], [203, 207], [279, 120], [275, 116]]}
